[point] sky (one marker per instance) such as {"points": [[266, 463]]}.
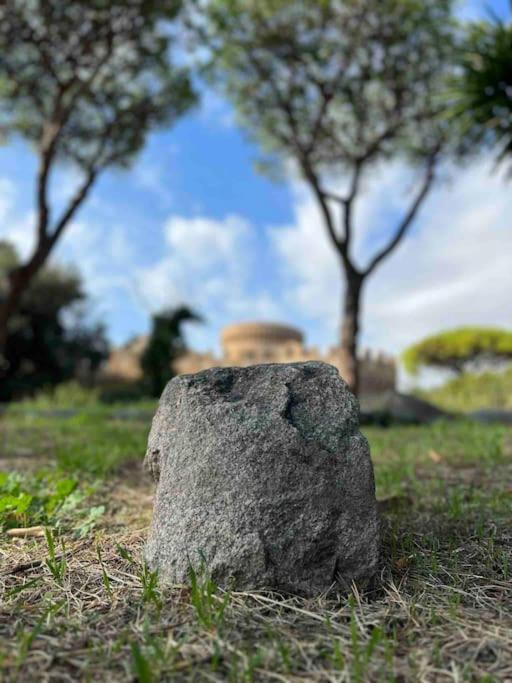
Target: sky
{"points": [[193, 222]]}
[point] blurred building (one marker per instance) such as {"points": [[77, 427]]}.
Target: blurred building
{"points": [[257, 342], [123, 362]]}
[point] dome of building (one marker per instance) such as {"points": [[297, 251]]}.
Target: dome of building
{"points": [[257, 340]]}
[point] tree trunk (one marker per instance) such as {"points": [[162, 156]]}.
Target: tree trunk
{"points": [[4, 319], [350, 329]]}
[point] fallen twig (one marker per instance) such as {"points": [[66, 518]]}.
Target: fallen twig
{"points": [[26, 532]]}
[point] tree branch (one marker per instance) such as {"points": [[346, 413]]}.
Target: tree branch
{"points": [[408, 218], [50, 136], [49, 142], [349, 201], [322, 110], [73, 205], [324, 207]]}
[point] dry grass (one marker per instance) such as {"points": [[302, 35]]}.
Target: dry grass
{"points": [[441, 610]]}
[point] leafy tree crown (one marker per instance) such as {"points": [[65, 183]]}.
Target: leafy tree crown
{"points": [[53, 290], [165, 344], [481, 89], [330, 83], [50, 335], [89, 77], [459, 349]]}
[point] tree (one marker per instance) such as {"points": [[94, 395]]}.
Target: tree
{"points": [[165, 345], [482, 88], [337, 87], [84, 82], [48, 340], [460, 350]]}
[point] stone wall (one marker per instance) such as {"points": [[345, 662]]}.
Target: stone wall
{"points": [[251, 343], [123, 362], [377, 371]]}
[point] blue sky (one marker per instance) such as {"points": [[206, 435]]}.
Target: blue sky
{"points": [[192, 222]]}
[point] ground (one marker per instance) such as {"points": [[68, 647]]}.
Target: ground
{"points": [[78, 604]]}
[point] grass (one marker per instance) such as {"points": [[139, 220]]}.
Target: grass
{"points": [[473, 392], [79, 604]]}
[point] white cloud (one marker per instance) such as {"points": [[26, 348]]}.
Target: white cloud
{"points": [[105, 260], [309, 265], [64, 183], [7, 195], [207, 264], [100, 252], [149, 175], [455, 268], [203, 242], [195, 267], [203, 261], [16, 227]]}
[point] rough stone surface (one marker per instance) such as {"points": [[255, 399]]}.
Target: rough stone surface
{"points": [[263, 471]]}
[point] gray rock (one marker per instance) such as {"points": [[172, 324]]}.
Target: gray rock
{"points": [[392, 406], [491, 416], [263, 471]]}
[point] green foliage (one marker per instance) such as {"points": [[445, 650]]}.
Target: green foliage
{"points": [[66, 395], [398, 452], [89, 445], [56, 563], [332, 83], [482, 90], [27, 638], [460, 349], [48, 337], [154, 659], [148, 579], [8, 260], [165, 345], [104, 574], [470, 392], [362, 651], [57, 287], [88, 519], [31, 502], [104, 446], [208, 604], [141, 665], [89, 78], [114, 390], [46, 498]]}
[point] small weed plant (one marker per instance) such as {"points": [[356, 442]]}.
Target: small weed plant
{"points": [[56, 562], [209, 605]]}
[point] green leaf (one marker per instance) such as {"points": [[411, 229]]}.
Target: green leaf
{"points": [[141, 665], [18, 504]]}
